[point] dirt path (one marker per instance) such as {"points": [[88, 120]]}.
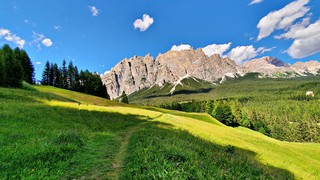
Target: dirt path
{"points": [[118, 161]]}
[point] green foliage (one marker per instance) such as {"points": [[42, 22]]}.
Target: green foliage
{"points": [[124, 98], [70, 78], [46, 74], [11, 72], [26, 64]]}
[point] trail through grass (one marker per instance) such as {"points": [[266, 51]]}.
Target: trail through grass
{"points": [[48, 134]]}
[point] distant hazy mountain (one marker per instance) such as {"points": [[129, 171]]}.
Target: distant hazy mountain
{"points": [[137, 73]]}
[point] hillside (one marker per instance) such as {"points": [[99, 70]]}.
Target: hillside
{"points": [[58, 134]]}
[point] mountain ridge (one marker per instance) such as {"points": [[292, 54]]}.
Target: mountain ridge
{"points": [[139, 72]]}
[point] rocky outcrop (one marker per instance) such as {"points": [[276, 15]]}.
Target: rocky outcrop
{"points": [[266, 65], [136, 73], [133, 74], [306, 68]]}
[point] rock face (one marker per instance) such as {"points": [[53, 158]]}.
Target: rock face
{"points": [[133, 74], [305, 68], [266, 65], [136, 73]]}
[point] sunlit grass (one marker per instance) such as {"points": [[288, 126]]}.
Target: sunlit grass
{"points": [[62, 134]]}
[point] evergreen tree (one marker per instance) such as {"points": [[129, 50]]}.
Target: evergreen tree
{"points": [[76, 85], [51, 75], [46, 74], [64, 74], [56, 75], [124, 98], [13, 67], [2, 70], [27, 66], [71, 76]]}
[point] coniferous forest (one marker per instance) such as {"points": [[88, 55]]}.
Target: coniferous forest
{"points": [[69, 77], [15, 67]]}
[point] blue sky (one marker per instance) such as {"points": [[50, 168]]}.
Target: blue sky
{"points": [[97, 34]]}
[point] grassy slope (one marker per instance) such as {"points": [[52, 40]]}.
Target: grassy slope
{"points": [[246, 87], [84, 138]]}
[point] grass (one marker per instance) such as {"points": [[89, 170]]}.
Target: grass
{"points": [[49, 133]]}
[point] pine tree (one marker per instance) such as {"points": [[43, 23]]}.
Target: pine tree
{"points": [[56, 75], [27, 66], [51, 75], [64, 74], [2, 71], [71, 78], [46, 74], [76, 85], [13, 67]]}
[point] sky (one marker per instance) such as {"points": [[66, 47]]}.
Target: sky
{"points": [[97, 34]]}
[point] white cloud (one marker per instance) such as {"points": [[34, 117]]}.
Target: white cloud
{"points": [[181, 47], [94, 11], [306, 39], [39, 39], [47, 42], [256, 2], [144, 23], [216, 49], [283, 18], [242, 54], [38, 63], [7, 35]]}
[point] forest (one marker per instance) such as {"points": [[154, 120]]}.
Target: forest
{"points": [[15, 67], [278, 108], [69, 77]]}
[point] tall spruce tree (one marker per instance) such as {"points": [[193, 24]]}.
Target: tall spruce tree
{"points": [[13, 67], [76, 85], [2, 71], [64, 74], [27, 67], [56, 75], [46, 74], [71, 76]]}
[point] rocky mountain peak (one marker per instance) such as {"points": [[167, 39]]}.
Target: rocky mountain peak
{"points": [[140, 72]]}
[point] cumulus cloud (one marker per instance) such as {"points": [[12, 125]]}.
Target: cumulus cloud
{"points": [[255, 2], [283, 18], [181, 47], [38, 63], [7, 35], [39, 39], [94, 10], [216, 49], [306, 39], [242, 54], [144, 23], [47, 42]]}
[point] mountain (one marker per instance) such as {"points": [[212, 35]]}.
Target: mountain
{"points": [[137, 73]]}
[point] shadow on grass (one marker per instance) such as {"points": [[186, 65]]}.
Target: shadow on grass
{"points": [[45, 142], [158, 151], [183, 91]]}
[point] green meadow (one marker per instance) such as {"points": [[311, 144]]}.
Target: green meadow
{"points": [[51, 133]]}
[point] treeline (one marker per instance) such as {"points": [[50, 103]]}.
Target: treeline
{"points": [[289, 120], [15, 67], [69, 77]]}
